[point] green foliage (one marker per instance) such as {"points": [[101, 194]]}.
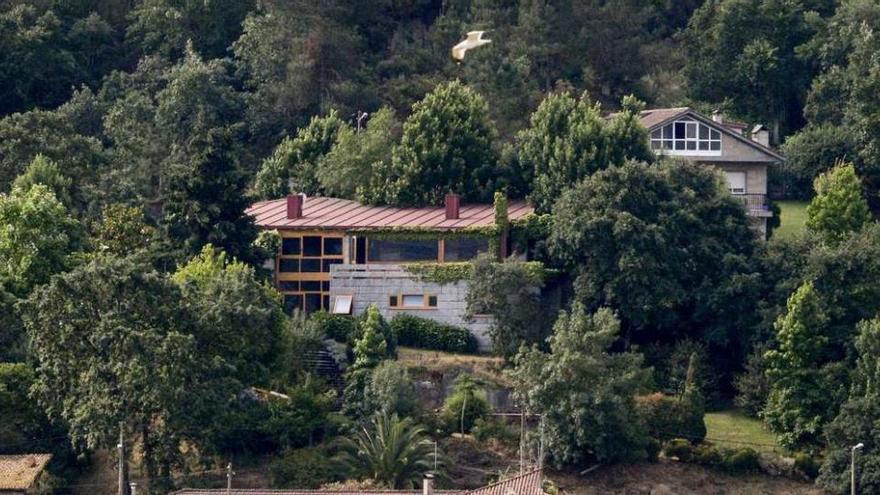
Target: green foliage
{"points": [[668, 417], [807, 464], [268, 242], [585, 391], [666, 247], [424, 333], [812, 151], [38, 238], [490, 428], [446, 146], [510, 292], [295, 420], [302, 469], [122, 230], [44, 171], [753, 386], [391, 390], [839, 207], [735, 461], [464, 406], [568, 139], [293, 166], [341, 328], [240, 318], [391, 451], [440, 273], [370, 347], [680, 448]]}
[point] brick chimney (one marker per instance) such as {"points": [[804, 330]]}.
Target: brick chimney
{"points": [[453, 206], [295, 206], [717, 116], [428, 484]]}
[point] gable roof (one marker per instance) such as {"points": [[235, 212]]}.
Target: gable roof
{"points": [[20, 472], [528, 483], [658, 117], [343, 214]]}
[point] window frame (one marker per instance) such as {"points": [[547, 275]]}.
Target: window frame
{"points": [[426, 299], [666, 140]]}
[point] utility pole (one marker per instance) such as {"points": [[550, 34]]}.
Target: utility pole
{"points": [[435, 457], [541, 449], [229, 474], [522, 441], [133, 486], [852, 468], [120, 447]]}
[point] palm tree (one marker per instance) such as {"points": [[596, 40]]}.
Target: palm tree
{"points": [[394, 452]]}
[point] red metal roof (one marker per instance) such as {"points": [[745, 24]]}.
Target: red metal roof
{"points": [[342, 214]]}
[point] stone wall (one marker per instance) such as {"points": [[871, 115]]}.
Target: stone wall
{"points": [[374, 283]]}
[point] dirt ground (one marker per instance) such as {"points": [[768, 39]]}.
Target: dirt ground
{"points": [[671, 478]]}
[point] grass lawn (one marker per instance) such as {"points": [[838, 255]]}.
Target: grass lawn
{"points": [[793, 216], [733, 429]]}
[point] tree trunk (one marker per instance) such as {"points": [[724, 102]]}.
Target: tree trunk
{"points": [[149, 464]]}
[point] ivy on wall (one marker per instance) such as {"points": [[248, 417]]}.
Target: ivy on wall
{"points": [[450, 273]]}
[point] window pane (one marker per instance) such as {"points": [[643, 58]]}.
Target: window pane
{"points": [[325, 286], [311, 266], [464, 248], [667, 145], [392, 301], [715, 145], [413, 300], [679, 145], [325, 301], [691, 145], [679, 130], [667, 131], [342, 305], [656, 134], [716, 134], [655, 145], [313, 302], [311, 286], [311, 246], [327, 263], [704, 132], [402, 250], [288, 266], [691, 131], [704, 145], [292, 302], [333, 246], [290, 245], [288, 286], [432, 301]]}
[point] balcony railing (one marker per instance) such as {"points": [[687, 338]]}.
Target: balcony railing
{"points": [[754, 202]]}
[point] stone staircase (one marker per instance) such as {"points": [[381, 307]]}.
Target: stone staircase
{"points": [[323, 364]]}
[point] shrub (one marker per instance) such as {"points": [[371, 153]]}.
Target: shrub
{"points": [[741, 460], [423, 333], [679, 448], [669, 417], [486, 428], [302, 468], [707, 455], [391, 390], [464, 406], [806, 464], [383, 327], [340, 328], [653, 448]]}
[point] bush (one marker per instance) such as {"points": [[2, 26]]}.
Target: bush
{"points": [[806, 464], [465, 397], [391, 390], [486, 428], [653, 448], [384, 329], [679, 448], [423, 333], [302, 468], [340, 328], [707, 455], [669, 417], [741, 460]]}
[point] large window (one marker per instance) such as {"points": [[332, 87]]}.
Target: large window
{"points": [[392, 250], [464, 248], [736, 182], [686, 137], [304, 269]]}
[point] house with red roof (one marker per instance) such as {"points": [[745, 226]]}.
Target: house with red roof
{"points": [[342, 256]]}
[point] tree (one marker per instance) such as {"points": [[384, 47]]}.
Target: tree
{"points": [[293, 166], [668, 248], [802, 387], [349, 169], [392, 451], [511, 292], [464, 406], [839, 207], [370, 348], [144, 374], [391, 390], [568, 139], [812, 151], [447, 146], [584, 391], [44, 171], [240, 317], [122, 230]]}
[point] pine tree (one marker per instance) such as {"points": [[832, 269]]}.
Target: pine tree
{"points": [[839, 208]]}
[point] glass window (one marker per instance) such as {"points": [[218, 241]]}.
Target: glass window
{"points": [[288, 286], [325, 286], [392, 301], [342, 305], [292, 302], [311, 286], [686, 135], [290, 245], [325, 300], [311, 246], [313, 302], [327, 263], [736, 182], [288, 266], [464, 248], [333, 246], [413, 300], [402, 250], [311, 265], [432, 301]]}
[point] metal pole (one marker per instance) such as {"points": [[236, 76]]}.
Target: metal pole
{"points": [[229, 474], [133, 486], [522, 441], [852, 467], [120, 447], [541, 449], [435, 456]]}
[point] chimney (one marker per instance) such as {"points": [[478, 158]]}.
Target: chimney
{"points": [[453, 203], [428, 484], [717, 116], [761, 135], [295, 206]]}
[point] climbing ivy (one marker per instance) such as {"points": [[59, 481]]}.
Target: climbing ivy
{"points": [[450, 273]]}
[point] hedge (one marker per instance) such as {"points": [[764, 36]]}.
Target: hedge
{"points": [[671, 417], [337, 327], [412, 331], [741, 460]]}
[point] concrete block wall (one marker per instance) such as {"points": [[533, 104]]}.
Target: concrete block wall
{"points": [[374, 283]]}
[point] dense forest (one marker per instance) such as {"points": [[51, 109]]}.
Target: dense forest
{"points": [[135, 133]]}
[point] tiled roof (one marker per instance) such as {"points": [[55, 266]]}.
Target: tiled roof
{"points": [[342, 214], [650, 118], [528, 483], [20, 472]]}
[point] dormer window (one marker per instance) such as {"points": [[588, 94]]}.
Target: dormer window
{"points": [[686, 137]]}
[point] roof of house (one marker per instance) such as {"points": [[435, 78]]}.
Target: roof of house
{"points": [[20, 472], [528, 483], [343, 214]]}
